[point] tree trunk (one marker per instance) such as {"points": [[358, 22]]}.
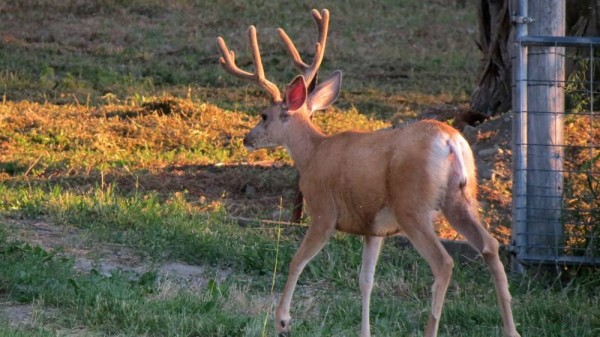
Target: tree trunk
{"points": [[493, 90], [492, 94], [583, 17]]}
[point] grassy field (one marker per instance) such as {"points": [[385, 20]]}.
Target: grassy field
{"points": [[122, 165]]}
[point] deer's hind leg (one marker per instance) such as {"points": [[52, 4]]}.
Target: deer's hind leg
{"points": [[420, 232], [463, 215]]}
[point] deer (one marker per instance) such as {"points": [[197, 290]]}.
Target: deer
{"points": [[373, 184]]}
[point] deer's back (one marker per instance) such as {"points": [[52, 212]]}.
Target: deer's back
{"points": [[359, 178]]}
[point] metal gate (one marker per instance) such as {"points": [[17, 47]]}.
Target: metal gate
{"points": [[556, 153]]}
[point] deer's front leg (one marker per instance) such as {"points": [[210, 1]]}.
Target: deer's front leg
{"points": [[313, 242], [371, 249]]}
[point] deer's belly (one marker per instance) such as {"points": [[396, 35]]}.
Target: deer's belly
{"points": [[383, 223]]}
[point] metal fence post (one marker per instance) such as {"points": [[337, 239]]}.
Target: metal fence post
{"points": [[519, 131]]}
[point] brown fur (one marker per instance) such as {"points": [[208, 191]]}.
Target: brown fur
{"points": [[390, 166]]}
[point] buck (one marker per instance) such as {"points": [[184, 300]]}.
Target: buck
{"points": [[374, 184]]}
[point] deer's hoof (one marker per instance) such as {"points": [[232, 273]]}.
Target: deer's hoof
{"points": [[283, 327]]}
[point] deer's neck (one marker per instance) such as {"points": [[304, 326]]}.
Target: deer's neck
{"points": [[302, 140]]}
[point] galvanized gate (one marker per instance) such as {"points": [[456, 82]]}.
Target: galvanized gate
{"points": [[556, 152]]}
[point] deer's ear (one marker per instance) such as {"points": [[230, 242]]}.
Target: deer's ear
{"points": [[295, 94], [326, 92]]}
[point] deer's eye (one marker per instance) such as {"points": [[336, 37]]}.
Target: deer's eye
{"points": [[264, 117]]}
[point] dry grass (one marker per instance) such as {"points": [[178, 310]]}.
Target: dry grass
{"points": [[167, 145], [163, 144]]}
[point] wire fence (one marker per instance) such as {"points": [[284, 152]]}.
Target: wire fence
{"points": [[556, 191]]}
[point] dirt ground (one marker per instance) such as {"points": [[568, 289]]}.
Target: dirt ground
{"points": [[102, 258]]}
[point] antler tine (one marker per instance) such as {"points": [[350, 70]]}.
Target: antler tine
{"points": [[310, 71], [227, 60], [260, 73]]}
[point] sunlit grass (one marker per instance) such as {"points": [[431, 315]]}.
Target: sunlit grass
{"points": [[43, 138]]}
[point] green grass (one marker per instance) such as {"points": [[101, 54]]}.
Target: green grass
{"points": [[81, 51], [326, 304]]}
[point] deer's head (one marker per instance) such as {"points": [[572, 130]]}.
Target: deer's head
{"points": [[301, 97]]}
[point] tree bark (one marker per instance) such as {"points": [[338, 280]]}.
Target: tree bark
{"points": [[493, 90], [583, 17], [492, 93]]}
